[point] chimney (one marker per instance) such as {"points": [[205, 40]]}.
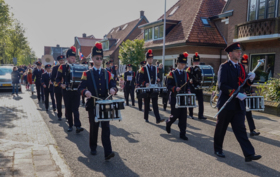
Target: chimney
{"points": [[141, 13], [84, 35], [57, 45]]}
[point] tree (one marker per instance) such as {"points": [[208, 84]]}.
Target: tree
{"points": [[132, 52]]}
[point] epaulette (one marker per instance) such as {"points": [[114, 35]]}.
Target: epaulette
{"points": [[84, 76], [60, 69], [110, 76], [170, 75], [141, 70], [188, 70]]}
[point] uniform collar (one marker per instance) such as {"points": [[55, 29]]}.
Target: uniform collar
{"points": [[233, 62], [179, 70]]}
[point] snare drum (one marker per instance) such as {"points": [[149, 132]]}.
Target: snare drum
{"points": [[185, 101], [142, 92], [108, 110], [254, 103], [76, 72], [164, 93]]}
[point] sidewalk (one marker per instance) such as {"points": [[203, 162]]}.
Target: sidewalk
{"points": [[27, 146]]}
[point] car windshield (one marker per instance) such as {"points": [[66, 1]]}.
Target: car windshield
{"points": [[5, 70]]}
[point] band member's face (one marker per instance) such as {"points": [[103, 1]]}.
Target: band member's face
{"points": [[71, 59], [150, 61], [108, 66], [129, 68], [62, 61], [39, 66], [97, 60], [181, 65], [235, 55], [48, 70], [195, 63]]}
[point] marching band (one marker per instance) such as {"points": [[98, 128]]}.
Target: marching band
{"points": [[183, 86]]}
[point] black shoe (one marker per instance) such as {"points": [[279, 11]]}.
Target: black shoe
{"points": [[79, 129], [161, 120], [254, 133], [133, 105], [70, 129], [17, 94], [59, 119], [184, 137], [83, 104], [150, 110], [54, 110], [167, 128], [164, 109], [192, 117], [147, 120], [252, 157], [127, 104], [140, 109], [93, 152], [220, 154], [110, 156], [202, 118]]}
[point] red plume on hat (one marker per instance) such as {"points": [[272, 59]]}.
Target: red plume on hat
{"points": [[185, 54], [196, 54], [245, 57], [98, 45], [73, 48], [150, 51]]}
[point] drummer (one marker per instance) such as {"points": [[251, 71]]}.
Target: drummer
{"points": [[138, 85], [91, 79], [249, 91], [194, 84], [181, 76], [129, 78]]}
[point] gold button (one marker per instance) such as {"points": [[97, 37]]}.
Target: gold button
{"points": [[99, 94], [99, 79], [99, 89], [99, 84], [181, 80]]}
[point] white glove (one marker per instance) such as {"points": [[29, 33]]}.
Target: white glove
{"points": [[241, 96], [251, 76]]}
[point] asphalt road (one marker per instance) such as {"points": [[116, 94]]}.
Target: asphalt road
{"points": [[145, 149]]}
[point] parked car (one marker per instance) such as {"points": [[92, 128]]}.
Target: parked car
{"points": [[6, 79]]}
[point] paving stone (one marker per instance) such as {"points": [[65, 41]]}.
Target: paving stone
{"points": [[23, 161], [42, 157], [45, 168], [23, 156], [47, 174], [43, 162]]}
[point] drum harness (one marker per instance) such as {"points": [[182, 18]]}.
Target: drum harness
{"points": [[149, 74], [175, 78]]}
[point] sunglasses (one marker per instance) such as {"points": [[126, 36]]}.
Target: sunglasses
{"points": [[99, 58]]}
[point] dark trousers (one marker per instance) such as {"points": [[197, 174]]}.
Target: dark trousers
{"points": [[181, 114], [250, 121], [129, 91], [40, 91], [93, 134], [49, 91], [147, 107], [164, 102], [72, 103], [237, 120], [83, 100], [140, 103], [199, 98], [58, 98]]}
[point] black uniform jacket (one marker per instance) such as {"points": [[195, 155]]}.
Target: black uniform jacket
{"points": [[228, 82]]}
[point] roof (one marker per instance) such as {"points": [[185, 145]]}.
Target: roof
{"points": [[87, 41], [191, 29], [120, 33]]}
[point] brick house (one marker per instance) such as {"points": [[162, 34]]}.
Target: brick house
{"points": [[256, 25], [188, 29], [117, 35], [84, 44]]}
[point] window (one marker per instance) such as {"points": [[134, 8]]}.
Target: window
{"points": [[262, 9], [252, 10], [271, 8], [124, 26], [112, 31], [160, 35], [173, 11], [278, 9], [263, 73], [105, 45], [148, 34], [156, 32], [205, 21]]}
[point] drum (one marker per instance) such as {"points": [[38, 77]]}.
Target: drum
{"points": [[185, 101], [254, 103], [164, 93], [207, 76], [142, 92], [108, 110], [152, 91], [76, 72]]}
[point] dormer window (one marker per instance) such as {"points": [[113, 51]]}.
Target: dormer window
{"points": [[105, 45], [117, 41], [173, 11], [205, 21], [124, 26], [112, 31]]}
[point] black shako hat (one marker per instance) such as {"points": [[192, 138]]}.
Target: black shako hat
{"points": [[38, 63], [48, 66], [143, 62], [232, 47], [149, 54], [60, 57], [183, 58], [244, 59], [97, 49], [196, 57], [71, 52], [129, 65]]}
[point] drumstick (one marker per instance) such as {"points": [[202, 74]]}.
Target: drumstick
{"points": [[183, 85], [96, 98], [108, 96]]}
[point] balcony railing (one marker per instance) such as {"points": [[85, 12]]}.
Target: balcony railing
{"points": [[257, 28]]}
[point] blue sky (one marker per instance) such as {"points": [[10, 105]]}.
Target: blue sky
{"points": [[51, 22]]}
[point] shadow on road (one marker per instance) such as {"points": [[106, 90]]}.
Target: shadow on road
{"points": [[115, 131]]}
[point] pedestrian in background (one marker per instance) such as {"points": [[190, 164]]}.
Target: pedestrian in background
{"points": [[15, 79], [29, 78]]}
